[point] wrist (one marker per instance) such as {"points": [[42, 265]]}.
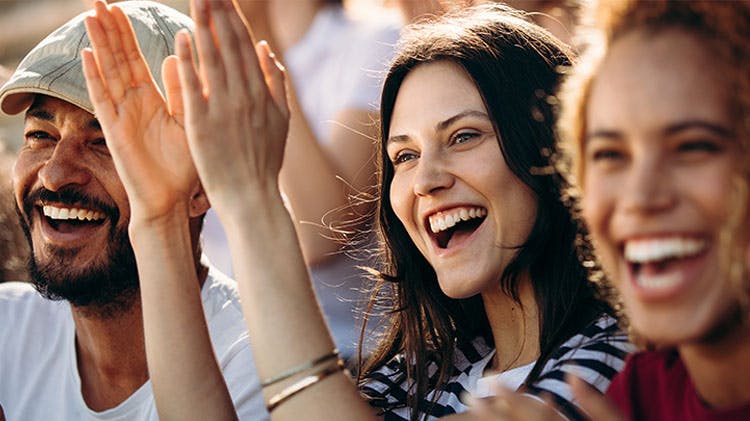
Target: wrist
{"points": [[255, 200], [163, 223]]}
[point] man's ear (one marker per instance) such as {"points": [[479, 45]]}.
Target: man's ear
{"points": [[199, 203]]}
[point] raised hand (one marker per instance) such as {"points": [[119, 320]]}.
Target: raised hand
{"points": [[508, 405], [144, 133], [236, 115], [596, 405]]}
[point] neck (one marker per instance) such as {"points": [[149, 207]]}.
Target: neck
{"points": [[515, 326], [292, 19], [111, 356], [719, 367]]}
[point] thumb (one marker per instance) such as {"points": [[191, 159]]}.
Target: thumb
{"points": [[596, 405], [173, 88], [274, 74]]}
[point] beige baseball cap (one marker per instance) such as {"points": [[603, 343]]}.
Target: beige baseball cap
{"points": [[54, 68]]}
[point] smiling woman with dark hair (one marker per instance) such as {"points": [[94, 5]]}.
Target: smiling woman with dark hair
{"points": [[476, 234], [480, 276]]}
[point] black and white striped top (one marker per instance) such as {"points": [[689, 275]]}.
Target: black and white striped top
{"points": [[596, 355]]}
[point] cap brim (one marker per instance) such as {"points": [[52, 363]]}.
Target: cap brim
{"points": [[16, 100]]}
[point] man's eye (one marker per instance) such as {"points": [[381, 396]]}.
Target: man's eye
{"points": [[100, 142], [39, 136]]}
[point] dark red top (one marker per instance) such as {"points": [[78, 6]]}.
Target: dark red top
{"points": [[655, 386]]}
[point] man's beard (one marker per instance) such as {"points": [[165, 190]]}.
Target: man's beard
{"points": [[105, 289]]}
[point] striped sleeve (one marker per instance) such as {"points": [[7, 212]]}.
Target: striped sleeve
{"points": [[595, 355]]}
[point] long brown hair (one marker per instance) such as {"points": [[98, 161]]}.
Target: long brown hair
{"points": [[515, 66]]}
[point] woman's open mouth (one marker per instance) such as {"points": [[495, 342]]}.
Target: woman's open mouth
{"points": [[452, 226], [660, 265]]}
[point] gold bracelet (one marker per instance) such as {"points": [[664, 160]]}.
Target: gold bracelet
{"points": [[303, 384], [300, 368]]}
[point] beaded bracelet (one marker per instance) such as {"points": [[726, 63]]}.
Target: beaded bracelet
{"points": [[300, 368], [303, 384]]}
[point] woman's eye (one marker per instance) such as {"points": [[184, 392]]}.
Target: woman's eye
{"points": [[606, 155], [464, 137], [699, 146], [404, 156]]}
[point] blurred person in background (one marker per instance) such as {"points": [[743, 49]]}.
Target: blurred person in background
{"points": [[14, 249]]}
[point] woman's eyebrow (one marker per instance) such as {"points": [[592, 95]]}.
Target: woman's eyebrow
{"points": [[397, 139], [712, 127], [608, 134], [468, 113]]}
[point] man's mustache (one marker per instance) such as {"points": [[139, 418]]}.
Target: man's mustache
{"points": [[69, 197]]}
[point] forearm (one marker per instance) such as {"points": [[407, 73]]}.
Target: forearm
{"points": [[320, 178], [186, 379], [281, 310]]}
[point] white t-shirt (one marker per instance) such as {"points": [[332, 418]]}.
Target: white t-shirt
{"points": [[39, 375]]}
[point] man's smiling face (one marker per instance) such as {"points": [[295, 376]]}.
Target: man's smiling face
{"points": [[74, 209]]}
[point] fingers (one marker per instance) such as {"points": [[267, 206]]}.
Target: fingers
{"points": [[173, 88], [228, 62], [275, 76], [248, 52], [596, 405], [133, 59], [113, 75], [118, 56], [105, 109], [510, 405], [234, 45], [191, 87], [211, 69]]}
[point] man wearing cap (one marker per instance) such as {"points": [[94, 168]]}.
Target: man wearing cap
{"points": [[72, 347]]}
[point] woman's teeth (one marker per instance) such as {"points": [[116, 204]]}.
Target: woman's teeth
{"points": [[57, 213], [660, 281], [654, 250], [441, 221]]}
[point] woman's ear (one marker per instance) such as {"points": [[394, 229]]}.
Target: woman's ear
{"points": [[199, 203]]}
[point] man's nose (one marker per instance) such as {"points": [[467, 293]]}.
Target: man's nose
{"points": [[64, 167]]}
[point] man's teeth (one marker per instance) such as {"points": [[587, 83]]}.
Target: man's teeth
{"points": [[441, 221], [54, 212], [653, 250]]}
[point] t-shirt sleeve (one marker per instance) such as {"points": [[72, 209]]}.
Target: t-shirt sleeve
{"points": [[595, 355], [243, 384]]}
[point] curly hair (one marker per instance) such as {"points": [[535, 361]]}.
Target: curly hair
{"points": [[724, 27]]}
